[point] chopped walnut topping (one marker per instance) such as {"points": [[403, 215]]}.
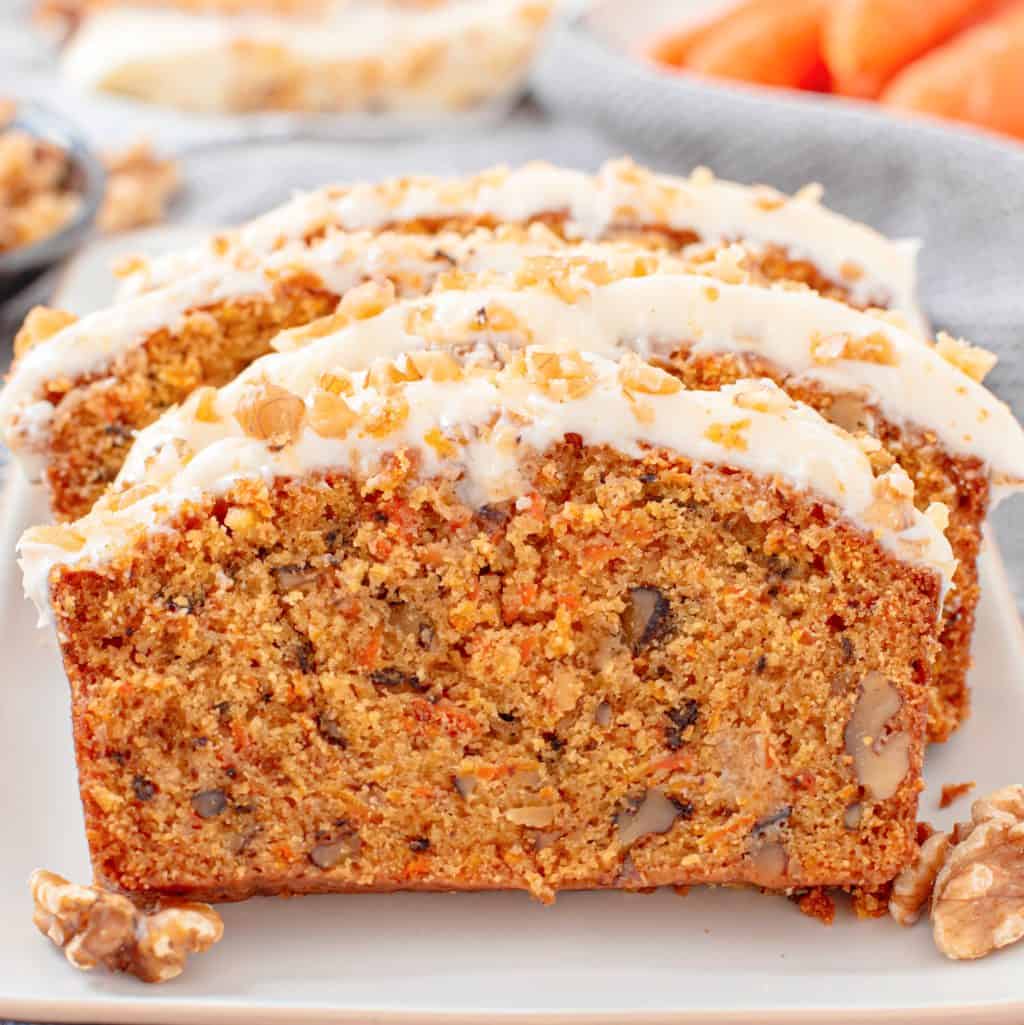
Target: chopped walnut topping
{"points": [[41, 324], [338, 383], [978, 899], [880, 760], [871, 348], [367, 300], [767, 198], [296, 337], [702, 176], [763, 397], [893, 508], [729, 435], [560, 376], [434, 366], [60, 536], [331, 416], [728, 265], [98, 928], [812, 192], [850, 271], [206, 405], [386, 417], [637, 376], [912, 888], [974, 361], [271, 413]]}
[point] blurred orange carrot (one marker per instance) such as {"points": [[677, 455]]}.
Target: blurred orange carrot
{"points": [[771, 44], [977, 77], [673, 47], [868, 41]]}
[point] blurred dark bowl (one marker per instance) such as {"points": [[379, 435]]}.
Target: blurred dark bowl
{"points": [[20, 267]]}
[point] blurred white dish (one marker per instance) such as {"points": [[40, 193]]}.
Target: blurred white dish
{"points": [[374, 68]]}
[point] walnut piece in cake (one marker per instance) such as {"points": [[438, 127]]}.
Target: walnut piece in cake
{"points": [[96, 927], [978, 900]]}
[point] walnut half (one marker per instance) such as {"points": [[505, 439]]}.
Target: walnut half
{"points": [[96, 927], [978, 900]]}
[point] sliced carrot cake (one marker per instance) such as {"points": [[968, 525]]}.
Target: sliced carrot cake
{"points": [[542, 620], [367, 56], [960, 445]]}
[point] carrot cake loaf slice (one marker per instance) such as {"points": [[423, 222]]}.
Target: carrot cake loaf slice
{"points": [[543, 622], [920, 403], [366, 56]]}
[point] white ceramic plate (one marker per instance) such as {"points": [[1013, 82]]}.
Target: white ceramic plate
{"points": [[438, 959]]}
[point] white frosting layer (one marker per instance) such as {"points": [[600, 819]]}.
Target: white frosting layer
{"points": [[491, 421], [413, 49], [876, 270], [339, 261], [798, 331]]}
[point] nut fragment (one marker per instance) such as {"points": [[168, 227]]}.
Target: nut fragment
{"points": [[978, 900], [972, 360], [465, 784], [41, 324], [208, 804], [646, 617], [654, 813], [98, 928], [331, 416], [343, 845], [880, 761], [912, 888], [537, 817], [271, 413]]}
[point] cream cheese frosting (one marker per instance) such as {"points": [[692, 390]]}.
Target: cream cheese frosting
{"points": [[810, 338], [876, 270], [475, 425]]}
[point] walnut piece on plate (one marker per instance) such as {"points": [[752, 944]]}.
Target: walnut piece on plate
{"points": [[978, 899], [96, 927], [912, 888]]}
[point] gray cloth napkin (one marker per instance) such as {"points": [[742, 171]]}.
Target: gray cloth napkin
{"points": [[959, 191]]}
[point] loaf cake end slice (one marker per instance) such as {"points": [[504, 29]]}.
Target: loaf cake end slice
{"points": [[551, 624]]}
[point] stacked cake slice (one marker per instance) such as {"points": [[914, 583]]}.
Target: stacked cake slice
{"points": [[535, 563]]}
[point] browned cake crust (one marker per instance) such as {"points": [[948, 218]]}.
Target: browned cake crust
{"points": [[649, 673]]}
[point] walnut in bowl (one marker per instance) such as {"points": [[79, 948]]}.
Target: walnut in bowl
{"points": [[51, 187]]}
